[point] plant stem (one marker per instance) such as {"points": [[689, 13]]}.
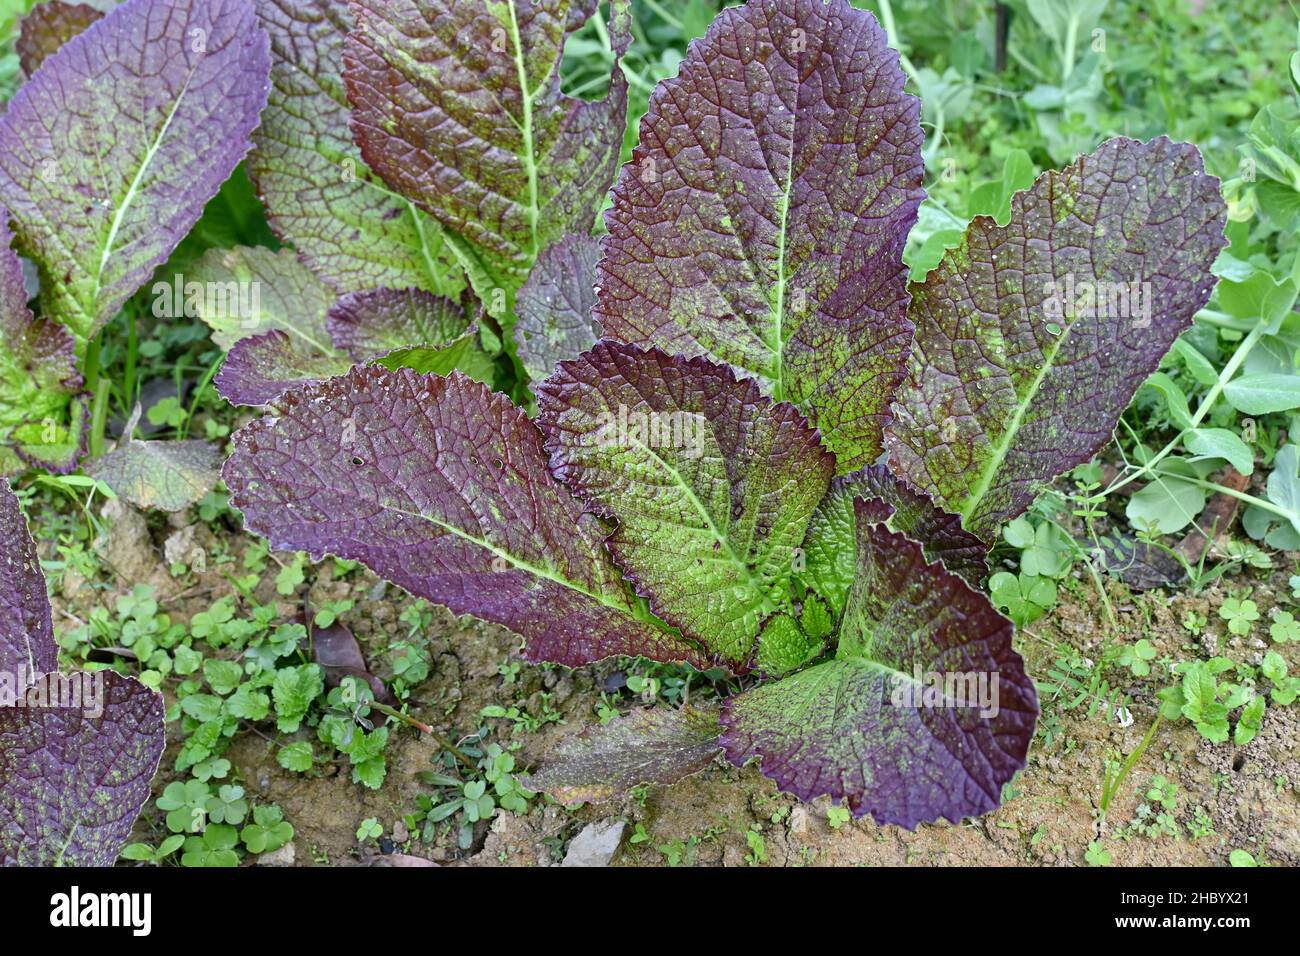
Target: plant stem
{"points": [[425, 729], [1212, 396], [891, 33]]}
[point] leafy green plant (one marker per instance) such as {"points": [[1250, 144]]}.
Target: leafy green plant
{"points": [[775, 377]]}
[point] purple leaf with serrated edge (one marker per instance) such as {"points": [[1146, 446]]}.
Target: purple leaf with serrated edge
{"points": [[74, 778], [554, 307], [26, 631], [830, 546], [1029, 345], [658, 745], [893, 726], [43, 414], [319, 195], [159, 97], [376, 321], [458, 106], [711, 483], [762, 219], [47, 27], [260, 369], [442, 487]]}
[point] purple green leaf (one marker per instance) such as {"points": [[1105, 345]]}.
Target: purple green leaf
{"points": [[168, 475], [1031, 338], [658, 745], [248, 291], [901, 724], [762, 219], [376, 321], [157, 127], [260, 369], [830, 548], [26, 630], [442, 487], [554, 307], [347, 224], [74, 778], [457, 105], [464, 352], [712, 484], [47, 27], [43, 414]]}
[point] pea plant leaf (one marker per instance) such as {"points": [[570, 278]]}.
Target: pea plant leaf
{"points": [[830, 547], [712, 484], [26, 629], [554, 307], [348, 225], [657, 745], [925, 712], [442, 486], [457, 105], [47, 27], [1031, 338], [43, 412], [158, 126], [73, 778], [762, 219]]}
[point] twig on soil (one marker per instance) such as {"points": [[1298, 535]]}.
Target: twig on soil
{"points": [[425, 729]]}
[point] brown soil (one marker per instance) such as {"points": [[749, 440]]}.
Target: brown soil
{"points": [[1230, 797]]}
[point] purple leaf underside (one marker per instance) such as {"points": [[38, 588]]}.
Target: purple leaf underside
{"points": [[658, 745], [74, 778], [554, 307], [26, 631]]}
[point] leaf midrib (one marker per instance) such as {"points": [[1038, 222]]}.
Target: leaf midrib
{"points": [[1003, 447], [106, 251]]}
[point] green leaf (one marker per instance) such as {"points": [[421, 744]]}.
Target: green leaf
{"points": [[296, 756], [1168, 503], [1248, 725], [1206, 443], [1263, 393], [1175, 400], [293, 691], [712, 483]]}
